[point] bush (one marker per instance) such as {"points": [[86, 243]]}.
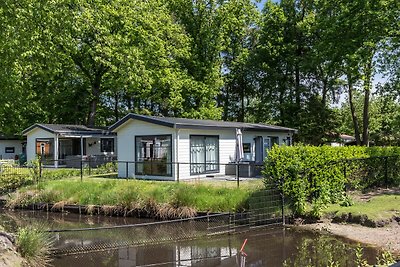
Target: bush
{"points": [[320, 175], [34, 245]]}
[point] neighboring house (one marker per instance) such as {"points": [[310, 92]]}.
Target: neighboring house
{"points": [[175, 148], [66, 145], [11, 147], [344, 140]]}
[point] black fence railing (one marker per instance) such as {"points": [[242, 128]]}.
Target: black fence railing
{"points": [[360, 173], [265, 209], [185, 171]]}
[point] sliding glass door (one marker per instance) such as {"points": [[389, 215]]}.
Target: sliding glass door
{"points": [[204, 154]]}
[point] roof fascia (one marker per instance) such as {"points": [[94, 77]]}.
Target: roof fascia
{"points": [[121, 122], [37, 125]]}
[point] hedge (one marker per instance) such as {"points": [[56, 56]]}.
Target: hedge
{"points": [[321, 175]]}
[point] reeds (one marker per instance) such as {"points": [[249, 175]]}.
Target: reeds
{"points": [[34, 245], [149, 198]]}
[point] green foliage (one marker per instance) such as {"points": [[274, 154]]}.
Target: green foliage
{"points": [[13, 176], [134, 193], [320, 175], [34, 245], [107, 168]]}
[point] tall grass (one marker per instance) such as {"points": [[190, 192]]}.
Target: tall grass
{"points": [[34, 245], [134, 193]]}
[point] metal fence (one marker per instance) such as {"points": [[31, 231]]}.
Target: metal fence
{"points": [[147, 170], [265, 209], [359, 173]]}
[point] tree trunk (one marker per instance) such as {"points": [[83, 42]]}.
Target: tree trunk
{"points": [[116, 110], [367, 93], [94, 101], [324, 91], [242, 95], [353, 110], [297, 86], [226, 103]]}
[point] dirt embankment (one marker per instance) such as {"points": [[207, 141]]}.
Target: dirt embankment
{"points": [[387, 238], [8, 254]]}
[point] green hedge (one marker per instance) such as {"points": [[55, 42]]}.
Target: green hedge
{"points": [[320, 175]]}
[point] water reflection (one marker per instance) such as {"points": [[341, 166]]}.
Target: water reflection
{"points": [[272, 247], [265, 247]]}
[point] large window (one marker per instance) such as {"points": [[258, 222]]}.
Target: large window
{"points": [[153, 155], [107, 145], [204, 154]]}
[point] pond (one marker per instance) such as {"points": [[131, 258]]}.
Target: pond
{"points": [[272, 246]]}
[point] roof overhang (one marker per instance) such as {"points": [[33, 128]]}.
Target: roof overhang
{"points": [[34, 126], [179, 125], [94, 133], [132, 116]]}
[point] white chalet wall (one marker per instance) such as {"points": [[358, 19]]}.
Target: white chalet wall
{"points": [[126, 145], [227, 145], [16, 144], [31, 141]]}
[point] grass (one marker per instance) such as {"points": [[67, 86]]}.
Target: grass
{"points": [[34, 245], [379, 207], [139, 194]]}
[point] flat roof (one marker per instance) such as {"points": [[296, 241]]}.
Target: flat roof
{"points": [[183, 123], [10, 137], [70, 129]]}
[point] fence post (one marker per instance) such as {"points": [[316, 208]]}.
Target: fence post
{"points": [[386, 172], [177, 172], [40, 168], [90, 171], [237, 173], [126, 170], [283, 203], [81, 169]]}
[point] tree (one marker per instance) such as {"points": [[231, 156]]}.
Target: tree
{"points": [[353, 33], [239, 31]]}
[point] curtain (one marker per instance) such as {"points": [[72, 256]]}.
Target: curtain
{"points": [[197, 154], [211, 144], [203, 154]]}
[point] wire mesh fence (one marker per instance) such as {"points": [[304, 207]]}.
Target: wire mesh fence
{"points": [[265, 208]]}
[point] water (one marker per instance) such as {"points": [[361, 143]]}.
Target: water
{"points": [[265, 247]]}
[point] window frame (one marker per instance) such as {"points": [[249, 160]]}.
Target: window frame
{"points": [[112, 147], [9, 150], [205, 155], [171, 154]]}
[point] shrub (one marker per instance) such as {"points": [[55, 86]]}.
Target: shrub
{"points": [[320, 175], [34, 245]]}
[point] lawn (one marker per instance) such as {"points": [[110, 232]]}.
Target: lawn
{"points": [[376, 207]]}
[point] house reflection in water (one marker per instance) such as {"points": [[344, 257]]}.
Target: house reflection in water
{"points": [[177, 256]]}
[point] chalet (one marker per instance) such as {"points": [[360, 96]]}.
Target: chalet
{"points": [[66, 145], [166, 148]]}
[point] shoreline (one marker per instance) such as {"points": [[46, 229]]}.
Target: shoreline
{"points": [[386, 238], [8, 253]]}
